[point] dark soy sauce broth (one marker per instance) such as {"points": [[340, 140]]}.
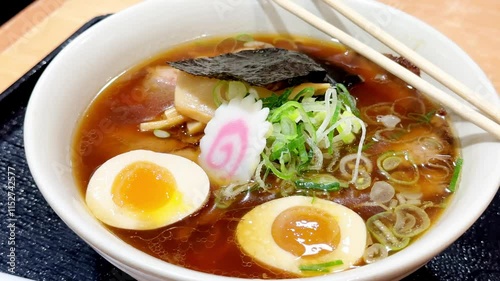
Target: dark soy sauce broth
{"points": [[205, 241]]}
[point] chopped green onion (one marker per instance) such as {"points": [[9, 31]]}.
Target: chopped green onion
{"points": [[313, 198], [217, 92], [363, 181], [368, 145], [347, 99], [224, 91], [423, 118], [331, 186], [456, 174], [375, 253], [275, 101], [381, 227], [304, 93], [226, 195], [236, 89], [304, 128], [320, 267], [410, 221], [390, 163], [335, 118], [284, 110], [296, 144], [286, 175], [244, 37], [406, 172]]}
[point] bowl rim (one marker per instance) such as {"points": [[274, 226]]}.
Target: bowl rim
{"points": [[159, 272]]}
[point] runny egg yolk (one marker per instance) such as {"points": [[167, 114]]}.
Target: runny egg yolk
{"points": [[142, 189], [296, 232], [306, 232], [143, 186]]}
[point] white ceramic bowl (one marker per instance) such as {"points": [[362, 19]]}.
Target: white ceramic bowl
{"points": [[74, 77]]}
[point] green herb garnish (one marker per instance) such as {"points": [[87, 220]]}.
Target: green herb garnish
{"points": [[304, 127], [456, 174], [327, 186], [368, 145], [244, 37], [275, 101], [320, 267], [347, 99], [423, 118]]}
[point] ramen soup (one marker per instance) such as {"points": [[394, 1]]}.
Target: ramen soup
{"points": [[265, 156]]}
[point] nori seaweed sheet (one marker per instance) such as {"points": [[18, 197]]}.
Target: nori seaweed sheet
{"points": [[263, 67]]}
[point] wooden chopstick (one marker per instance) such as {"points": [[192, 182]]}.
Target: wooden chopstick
{"points": [[432, 70], [461, 109]]}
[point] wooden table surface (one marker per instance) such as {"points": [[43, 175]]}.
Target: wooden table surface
{"points": [[473, 24]]}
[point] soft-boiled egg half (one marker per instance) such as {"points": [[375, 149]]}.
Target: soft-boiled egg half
{"points": [[303, 235], [142, 189]]}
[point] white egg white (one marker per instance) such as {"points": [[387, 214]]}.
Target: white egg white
{"points": [[254, 235], [191, 181]]}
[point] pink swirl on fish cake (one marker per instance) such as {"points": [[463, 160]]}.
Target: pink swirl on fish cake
{"points": [[232, 142]]}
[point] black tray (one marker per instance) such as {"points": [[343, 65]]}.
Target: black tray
{"points": [[46, 249]]}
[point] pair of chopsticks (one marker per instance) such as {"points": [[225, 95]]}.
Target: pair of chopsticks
{"points": [[465, 111]]}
